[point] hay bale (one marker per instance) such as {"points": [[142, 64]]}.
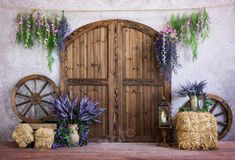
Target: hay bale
{"points": [[23, 135], [44, 138], [196, 130]]}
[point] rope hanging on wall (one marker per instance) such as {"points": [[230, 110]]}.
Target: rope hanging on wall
{"points": [[121, 10]]}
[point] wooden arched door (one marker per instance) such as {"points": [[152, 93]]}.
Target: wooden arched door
{"points": [[113, 61]]}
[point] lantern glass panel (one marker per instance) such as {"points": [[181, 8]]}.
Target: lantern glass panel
{"points": [[164, 115]]}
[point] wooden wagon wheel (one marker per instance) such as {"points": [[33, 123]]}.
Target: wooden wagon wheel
{"points": [[221, 110], [31, 98]]}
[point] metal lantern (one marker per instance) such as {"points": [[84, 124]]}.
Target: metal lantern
{"points": [[164, 114]]}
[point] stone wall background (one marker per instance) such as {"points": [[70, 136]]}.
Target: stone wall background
{"points": [[216, 61]]}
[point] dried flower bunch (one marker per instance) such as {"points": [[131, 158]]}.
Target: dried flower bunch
{"points": [[48, 32]]}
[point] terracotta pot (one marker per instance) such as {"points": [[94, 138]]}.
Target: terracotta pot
{"points": [[74, 133], [194, 103]]}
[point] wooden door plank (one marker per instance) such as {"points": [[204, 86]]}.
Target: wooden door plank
{"points": [[76, 61], [70, 60], [111, 79], [85, 56], [103, 61], [120, 80], [80, 59]]}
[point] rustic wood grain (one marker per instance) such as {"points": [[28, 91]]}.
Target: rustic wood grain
{"points": [[115, 60], [115, 151]]}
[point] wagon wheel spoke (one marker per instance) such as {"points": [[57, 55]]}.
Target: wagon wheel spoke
{"points": [[32, 104], [35, 110], [224, 111], [44, 110], [23, 95], [28, 89], [213, 107], [222, 123], [35, 85], [43, 87], [27, 109], [219, 114], [44, 101], [22, 103], [48, 94]]}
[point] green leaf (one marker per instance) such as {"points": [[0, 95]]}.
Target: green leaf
{"points": [[189, 34]]}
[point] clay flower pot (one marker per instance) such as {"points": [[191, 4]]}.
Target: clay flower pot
{"points": [[74, 133]]}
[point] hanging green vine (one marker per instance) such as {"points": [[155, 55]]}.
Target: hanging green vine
{"points": [[25, 30], [43, 29], [190, 28]]}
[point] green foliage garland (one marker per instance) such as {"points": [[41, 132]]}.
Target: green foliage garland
{"points": [[25, 30], [190, 28], [41, 28]]}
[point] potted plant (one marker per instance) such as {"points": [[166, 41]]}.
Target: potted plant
{"points": [[193, 91], [73, 114]]}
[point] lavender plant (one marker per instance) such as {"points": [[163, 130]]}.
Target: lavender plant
{"points": [[70, 112], [194, 88], [64, 109]]}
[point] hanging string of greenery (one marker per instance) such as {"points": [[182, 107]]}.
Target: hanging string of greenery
{"points": [[181, 29], [25, 30], [44, 30], [190, 28]]}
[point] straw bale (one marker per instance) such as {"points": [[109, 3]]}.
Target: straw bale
{"points": [[44, 138], [23, 135], [196, 130]]}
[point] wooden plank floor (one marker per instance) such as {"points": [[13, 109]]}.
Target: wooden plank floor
{"points": [[116, 151]]}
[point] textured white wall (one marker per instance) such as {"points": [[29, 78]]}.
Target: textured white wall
{"points": [[216, 55]]}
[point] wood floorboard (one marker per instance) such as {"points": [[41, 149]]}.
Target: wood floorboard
{"points": [[116, 151]]}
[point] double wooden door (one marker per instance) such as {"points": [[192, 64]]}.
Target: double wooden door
{"points": [[112, 61]]}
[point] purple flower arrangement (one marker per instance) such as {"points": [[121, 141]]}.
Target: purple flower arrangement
{"points": [[165, 49], [192, 88], [70, 112], [63, 30]]}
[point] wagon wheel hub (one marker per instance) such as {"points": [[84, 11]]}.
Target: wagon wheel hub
{"points": [[35, 98]]}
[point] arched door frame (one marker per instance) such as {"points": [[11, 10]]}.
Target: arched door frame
{"points": [[64, 81]]}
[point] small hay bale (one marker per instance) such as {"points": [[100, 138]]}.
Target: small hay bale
{"points": [[196, 130], [23, 135], [44, 138]]}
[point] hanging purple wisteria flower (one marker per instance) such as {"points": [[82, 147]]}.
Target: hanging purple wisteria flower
{"points": [[63, 30], [165, 49]]}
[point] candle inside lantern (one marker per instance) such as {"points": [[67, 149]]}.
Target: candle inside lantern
{"points": [[163, 116]]}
